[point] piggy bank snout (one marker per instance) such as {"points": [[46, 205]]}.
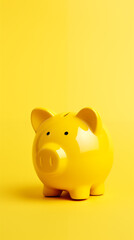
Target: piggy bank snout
{"points": [[51, 158]]}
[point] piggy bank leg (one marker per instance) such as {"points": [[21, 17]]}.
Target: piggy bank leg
{"points": [[80, 193], [51, 192], [97, 189]]}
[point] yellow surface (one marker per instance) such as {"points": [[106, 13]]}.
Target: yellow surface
{"points": [[65, 55]]}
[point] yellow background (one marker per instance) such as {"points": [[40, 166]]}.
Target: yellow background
{"points": [[64, 55]]}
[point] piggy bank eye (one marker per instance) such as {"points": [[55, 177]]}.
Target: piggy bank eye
{"points": [[48, 133], [66, 133]]}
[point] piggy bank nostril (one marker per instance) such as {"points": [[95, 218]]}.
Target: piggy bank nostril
{"points": [[41, 160], [51, 161]]}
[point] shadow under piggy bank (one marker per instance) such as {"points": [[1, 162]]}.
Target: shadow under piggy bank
{"points": [[35, 193]]}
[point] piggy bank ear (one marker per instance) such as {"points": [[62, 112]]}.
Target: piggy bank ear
{"points": [[91, 118], [38, 116]]}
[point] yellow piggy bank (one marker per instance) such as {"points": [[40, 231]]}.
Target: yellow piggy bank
{"points": [[71, 152]]}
